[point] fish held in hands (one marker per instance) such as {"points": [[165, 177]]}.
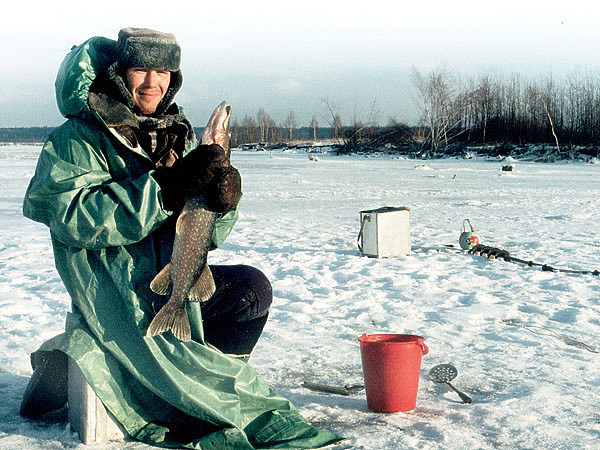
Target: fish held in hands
{"points": [[188, 272]]}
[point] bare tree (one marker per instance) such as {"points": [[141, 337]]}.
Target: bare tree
{"points": [[441, 107], [273, 131], [262, 118], [336, 121], [551, 99], [314, 124], [337, 127], [235, 132], [552, 127], [362, 134], [291, 124], [483, 97], [250, 130], [267, 128]]}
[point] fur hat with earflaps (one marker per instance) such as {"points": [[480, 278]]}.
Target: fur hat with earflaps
{"points": [[142, 47], [150, 49]]}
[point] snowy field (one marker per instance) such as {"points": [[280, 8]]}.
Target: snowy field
{"points": [[534, 386]]}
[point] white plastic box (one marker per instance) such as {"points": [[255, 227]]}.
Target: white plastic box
{"points": [[87, 414], [385, 232]]}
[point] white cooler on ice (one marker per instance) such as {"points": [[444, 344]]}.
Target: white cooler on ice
{"points": [[385, 232]]}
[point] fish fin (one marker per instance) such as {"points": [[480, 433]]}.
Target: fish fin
{"points": [[204, 287], [176, 321], [181, 327], [161, 282], [180, 219]]}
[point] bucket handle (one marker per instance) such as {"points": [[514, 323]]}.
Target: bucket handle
{"points": [[464, 227]]}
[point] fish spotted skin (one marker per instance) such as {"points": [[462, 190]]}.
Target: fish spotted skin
{"points": [[188, 271]]}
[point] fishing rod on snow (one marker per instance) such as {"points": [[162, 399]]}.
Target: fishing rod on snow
{"points": [[469, 240]]}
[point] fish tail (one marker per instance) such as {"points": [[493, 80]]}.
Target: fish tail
{"points": [[176, 321], [161, 282], [204, 287], [181, 327]]}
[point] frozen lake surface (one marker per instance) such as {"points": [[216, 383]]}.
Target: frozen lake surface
{"points": [[535, 385]]}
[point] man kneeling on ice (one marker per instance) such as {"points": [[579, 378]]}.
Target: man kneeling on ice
{"points": [[113, 184]]}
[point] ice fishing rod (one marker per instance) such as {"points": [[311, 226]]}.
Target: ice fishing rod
{"points": [[469, 240], [498, 253]]}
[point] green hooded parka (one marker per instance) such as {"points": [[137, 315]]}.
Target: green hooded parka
{"points": [[111, 236]]}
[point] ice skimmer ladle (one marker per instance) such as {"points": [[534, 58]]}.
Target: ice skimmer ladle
{"points": [[445, 373]]}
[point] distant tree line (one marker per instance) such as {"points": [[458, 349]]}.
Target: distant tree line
{"points": [[241, 134], [453, 111], [508, 110], [25, 135], [479, 111]]}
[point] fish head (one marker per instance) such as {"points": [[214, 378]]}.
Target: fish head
{"points": [[217, 128]]}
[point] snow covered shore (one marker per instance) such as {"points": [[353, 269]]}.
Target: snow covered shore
{"points": [[533, 385]]}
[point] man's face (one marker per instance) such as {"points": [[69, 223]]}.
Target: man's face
{"points": [[148, 87]]}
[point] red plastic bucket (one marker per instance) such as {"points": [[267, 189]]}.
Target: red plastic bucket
{"points": [[391, 366]]}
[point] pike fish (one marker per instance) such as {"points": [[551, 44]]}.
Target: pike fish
{"points": [[188, 271]]}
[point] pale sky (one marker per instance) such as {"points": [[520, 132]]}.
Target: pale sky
{"points": [[286, 57]]}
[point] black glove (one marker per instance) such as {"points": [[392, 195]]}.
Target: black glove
{"points": [[225, 191], [196, 174]]}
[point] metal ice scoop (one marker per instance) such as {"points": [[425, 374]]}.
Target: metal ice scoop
{"points": [[445, 373]]}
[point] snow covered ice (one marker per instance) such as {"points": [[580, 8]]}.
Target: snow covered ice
{"points": [[532, 385]]}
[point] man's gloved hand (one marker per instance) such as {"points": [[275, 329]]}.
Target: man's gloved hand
{"points": [[225, 191], [206, 171], [204, 161]]}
